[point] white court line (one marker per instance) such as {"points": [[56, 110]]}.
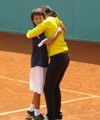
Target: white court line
{"points": [[80, 93], [43, 106], [21, 81], [16, 111]]}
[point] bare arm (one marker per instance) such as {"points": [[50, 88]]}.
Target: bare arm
{"points": [[63, 28], [48, 42]]}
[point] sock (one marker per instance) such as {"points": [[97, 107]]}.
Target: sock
{"points": [[31, 108], [36, 112]]}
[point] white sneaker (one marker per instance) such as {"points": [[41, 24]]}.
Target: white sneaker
{"points": [[45, 118]]}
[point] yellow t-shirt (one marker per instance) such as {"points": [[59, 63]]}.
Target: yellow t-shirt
{"points": [[49, 27]]}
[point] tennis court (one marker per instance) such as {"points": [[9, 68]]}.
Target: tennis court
{"points": [[80, 86]]}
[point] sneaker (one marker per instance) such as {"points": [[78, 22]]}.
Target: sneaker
{"points": [[45, 118], [39, 117], [59, 117], [29, 114]]}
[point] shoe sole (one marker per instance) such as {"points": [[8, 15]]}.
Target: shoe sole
{"points": [[28, 117]]}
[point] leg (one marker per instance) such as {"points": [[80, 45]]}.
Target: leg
{"points": [[36, 100], [54, 70], [36, 84], [50, 82], [57, 89], [58, 96]]}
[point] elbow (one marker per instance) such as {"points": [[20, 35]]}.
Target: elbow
{"points": [[48, 43], [27, 35]]}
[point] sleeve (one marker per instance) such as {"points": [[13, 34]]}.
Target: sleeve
{"points": [[37, 30]]}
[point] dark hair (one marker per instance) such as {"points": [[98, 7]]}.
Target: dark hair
{"points": [[48, 10], [53, 14], [37, 11]]}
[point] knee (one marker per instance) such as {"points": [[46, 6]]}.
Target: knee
{"points": [[48, 90]]}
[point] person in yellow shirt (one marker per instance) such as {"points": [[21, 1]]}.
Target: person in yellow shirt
{"points": [[39, 64], [59, 61]]}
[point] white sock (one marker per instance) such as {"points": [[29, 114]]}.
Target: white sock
{"points": [[36, 112], [31, 108]]}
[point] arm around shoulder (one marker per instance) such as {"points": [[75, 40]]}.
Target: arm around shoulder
{"points": [[51, 40]]}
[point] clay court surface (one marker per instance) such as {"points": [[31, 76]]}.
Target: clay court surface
{"points": [[80, 86]]}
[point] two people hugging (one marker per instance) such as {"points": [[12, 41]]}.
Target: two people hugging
{"points": [[49, 61]]}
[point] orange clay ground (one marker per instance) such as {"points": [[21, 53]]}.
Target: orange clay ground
{"points": [[80, 86]]}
